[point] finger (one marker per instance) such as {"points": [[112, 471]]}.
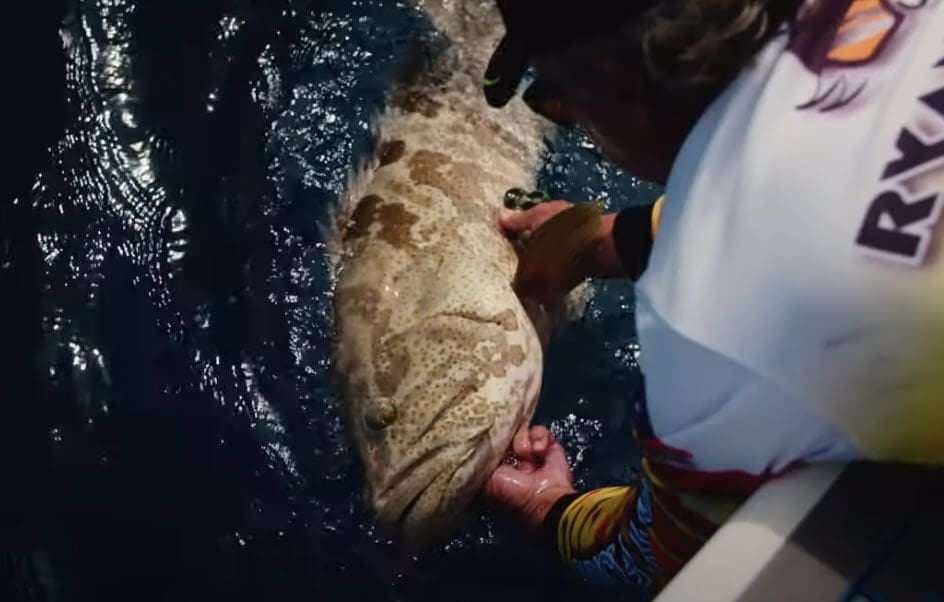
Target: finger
{"points": [[495, 491], [506, 487], [515, 221], [540, 440], [556, 461], [531, 219], [521, 444]]}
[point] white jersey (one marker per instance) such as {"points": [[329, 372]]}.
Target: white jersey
{"points": [[793, 303]]}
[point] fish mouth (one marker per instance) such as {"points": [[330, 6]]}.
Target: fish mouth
{"points": [[407, 515], [421, 505], [397, 503]]}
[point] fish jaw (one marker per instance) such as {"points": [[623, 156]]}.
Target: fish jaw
{"points": [[424, 503], [420, 494]]}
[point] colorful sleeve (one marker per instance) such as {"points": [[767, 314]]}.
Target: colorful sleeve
{"points": [[625, 535]]}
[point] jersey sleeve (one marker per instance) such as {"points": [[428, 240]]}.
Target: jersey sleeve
{"points": [[633, 233], [626, 535]]}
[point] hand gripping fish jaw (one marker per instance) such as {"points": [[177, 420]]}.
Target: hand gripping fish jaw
{"points": [[420, 500]]}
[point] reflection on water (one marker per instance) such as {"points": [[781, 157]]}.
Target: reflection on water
{"points": [[192, 441]]}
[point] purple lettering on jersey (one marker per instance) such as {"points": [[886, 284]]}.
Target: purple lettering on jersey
{"points": [[902, 213], [834, 39], [898, 224], [914, 153], [935, 100]]}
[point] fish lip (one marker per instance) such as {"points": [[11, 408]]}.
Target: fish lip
{"points": [[381, 499], [408, 508], [404, 472], [397, 521], [399, 517], [432, 527]]}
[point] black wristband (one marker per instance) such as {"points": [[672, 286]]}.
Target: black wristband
{"points": [[632, 237], [553, 518]]}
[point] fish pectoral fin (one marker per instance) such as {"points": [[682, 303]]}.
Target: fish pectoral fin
{"points": [[551, 263]]}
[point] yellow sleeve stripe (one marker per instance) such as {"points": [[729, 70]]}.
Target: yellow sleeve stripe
{"points": [[657, 215], [577, 532]]}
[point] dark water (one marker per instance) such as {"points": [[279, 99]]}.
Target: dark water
{"points": [[170, 427]]}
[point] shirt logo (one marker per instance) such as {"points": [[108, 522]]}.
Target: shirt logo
{"points": [[899, 224], [831, 38]]}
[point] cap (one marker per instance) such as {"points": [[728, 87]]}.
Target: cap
{"points": [[535, 26]]}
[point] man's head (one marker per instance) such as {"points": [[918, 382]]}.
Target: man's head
{"points": [[635, 75]]}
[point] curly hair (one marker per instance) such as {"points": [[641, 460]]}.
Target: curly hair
{"points": [[697, 44]]}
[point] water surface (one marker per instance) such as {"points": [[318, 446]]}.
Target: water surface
{"points": [[184, 441]]}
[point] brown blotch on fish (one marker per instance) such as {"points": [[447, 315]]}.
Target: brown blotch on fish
{"points": [[364, 215], [360, 301], [407, 190], [396, 366], [458, 180], [413, 100], [391, 152], [508, 320], [516, 355], [493, 356], [396, 223]]}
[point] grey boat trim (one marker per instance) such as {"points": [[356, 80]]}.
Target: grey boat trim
{"points": [[859, 532]]}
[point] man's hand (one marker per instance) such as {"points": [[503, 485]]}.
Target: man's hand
{"points": [[526, 222], [529, 489], [605, 262]]}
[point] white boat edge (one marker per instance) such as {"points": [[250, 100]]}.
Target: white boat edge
{"points": [[726, 566]]}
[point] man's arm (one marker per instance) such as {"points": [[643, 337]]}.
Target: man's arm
{"points": [[631, 237], [638, 534], [598, 535], [626, 237]]}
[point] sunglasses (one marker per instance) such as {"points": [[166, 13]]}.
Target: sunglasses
{"points": [[503, 75], [546, 100]]}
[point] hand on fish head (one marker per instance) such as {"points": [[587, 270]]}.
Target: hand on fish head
{"points": [[562, 244]]}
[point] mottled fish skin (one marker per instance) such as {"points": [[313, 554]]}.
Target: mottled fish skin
{"points": [[439, 362]]}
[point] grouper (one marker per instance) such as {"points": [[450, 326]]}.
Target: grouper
{"points": [[438, 359]]}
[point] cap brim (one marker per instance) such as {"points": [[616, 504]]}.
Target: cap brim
{"points": [[504, 73]]}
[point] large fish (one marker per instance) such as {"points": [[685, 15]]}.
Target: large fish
{"points": [[438, 360]]}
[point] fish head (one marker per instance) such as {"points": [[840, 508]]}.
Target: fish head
{"points": [[438, 416]]}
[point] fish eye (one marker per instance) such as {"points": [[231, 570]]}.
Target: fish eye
{"points": [[383, 414]]}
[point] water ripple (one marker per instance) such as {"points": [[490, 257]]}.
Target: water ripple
{"points": [[187, 312]]}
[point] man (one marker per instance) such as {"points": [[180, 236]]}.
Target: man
{"points": [[786, 284]]}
